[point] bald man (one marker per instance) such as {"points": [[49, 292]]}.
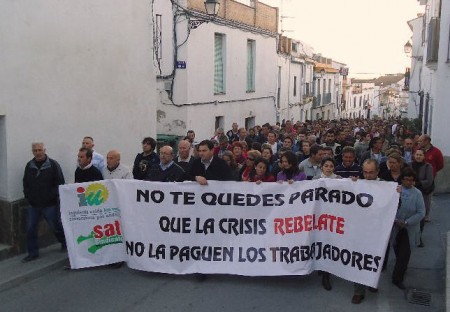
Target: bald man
{"points": [[114, 169], [167, 170], [185, 159]]}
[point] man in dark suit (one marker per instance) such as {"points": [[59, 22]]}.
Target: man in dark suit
{"points": [[209, 167]]}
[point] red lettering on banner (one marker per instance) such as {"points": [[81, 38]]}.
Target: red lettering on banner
{"points": [[307, 223], [109, 229]]}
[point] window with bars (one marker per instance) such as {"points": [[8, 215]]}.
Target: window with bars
{"points": [[219, 63], [251, 65]]}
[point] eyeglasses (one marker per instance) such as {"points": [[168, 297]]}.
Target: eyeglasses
{"points": [[251, 159]]}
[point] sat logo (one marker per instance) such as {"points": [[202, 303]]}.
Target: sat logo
{"points": [[95, 194]]}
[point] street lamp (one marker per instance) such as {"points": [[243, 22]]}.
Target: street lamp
{"points": [[408, 48], [212, 9]]}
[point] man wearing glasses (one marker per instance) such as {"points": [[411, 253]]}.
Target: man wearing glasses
{"points": [[167, 170]]}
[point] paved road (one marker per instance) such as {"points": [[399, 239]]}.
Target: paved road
{"points": [[107, 289]]}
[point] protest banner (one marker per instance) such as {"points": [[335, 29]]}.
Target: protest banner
{"points": [[333, 225]]}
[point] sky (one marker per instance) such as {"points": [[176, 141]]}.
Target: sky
{"points": [[367, 35]]}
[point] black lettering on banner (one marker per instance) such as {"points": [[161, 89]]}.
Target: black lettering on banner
{"points": [[348, 198], [293, 197], [202, 253], [368, 198], [327, 251], [305, 253], [209, 199], [206, 227], [253, 200], [345, 256], [294, 255], [307, 195], [175, 225], [335, 253], [133, 248], [156, 196], [356, 260], [188, 198], [376, 260], [334, 196], [251, 254], [224, 199], [158, 253], [368, 259], [267, 200], [320, 194], [239, 199], [279, 199], [175, 197], [318, 250], [242, 226]]}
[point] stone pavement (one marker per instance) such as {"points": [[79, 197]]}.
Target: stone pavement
{"points": [[426, 278]]}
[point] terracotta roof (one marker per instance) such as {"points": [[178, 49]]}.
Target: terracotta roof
{"points": [[322, 66]]}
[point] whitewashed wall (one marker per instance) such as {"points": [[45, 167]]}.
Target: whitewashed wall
{"points": [[195, 104], [70, 69], [415, 83], [441, 108]]}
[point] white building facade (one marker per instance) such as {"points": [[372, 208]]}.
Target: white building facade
{"points": [[430, 85], [295, 80], [71, 69], [216, 73], [327, 88]]}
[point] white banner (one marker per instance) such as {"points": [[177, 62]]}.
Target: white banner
{"points": [[338, 226]]}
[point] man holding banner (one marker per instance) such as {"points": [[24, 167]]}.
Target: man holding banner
{"points": [[209, 167]]}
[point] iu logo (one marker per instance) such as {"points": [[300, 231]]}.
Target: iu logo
{"points": [[95, 194]]}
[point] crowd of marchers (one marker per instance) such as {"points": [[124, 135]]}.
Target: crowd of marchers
{"points": [[288, 152]]}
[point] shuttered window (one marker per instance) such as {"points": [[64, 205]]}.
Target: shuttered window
{"points": [[219, 63], [250, 65]]}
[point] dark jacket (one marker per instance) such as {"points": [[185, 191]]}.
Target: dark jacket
{"points": [[40, 185], [172, 174], [142, 164], [187, 167], [217, 170], [87, 175]]}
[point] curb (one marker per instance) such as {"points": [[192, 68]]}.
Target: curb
{"points": [[14, 272]]}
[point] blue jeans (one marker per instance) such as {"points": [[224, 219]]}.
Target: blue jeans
{"points": [[51, 215]]}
